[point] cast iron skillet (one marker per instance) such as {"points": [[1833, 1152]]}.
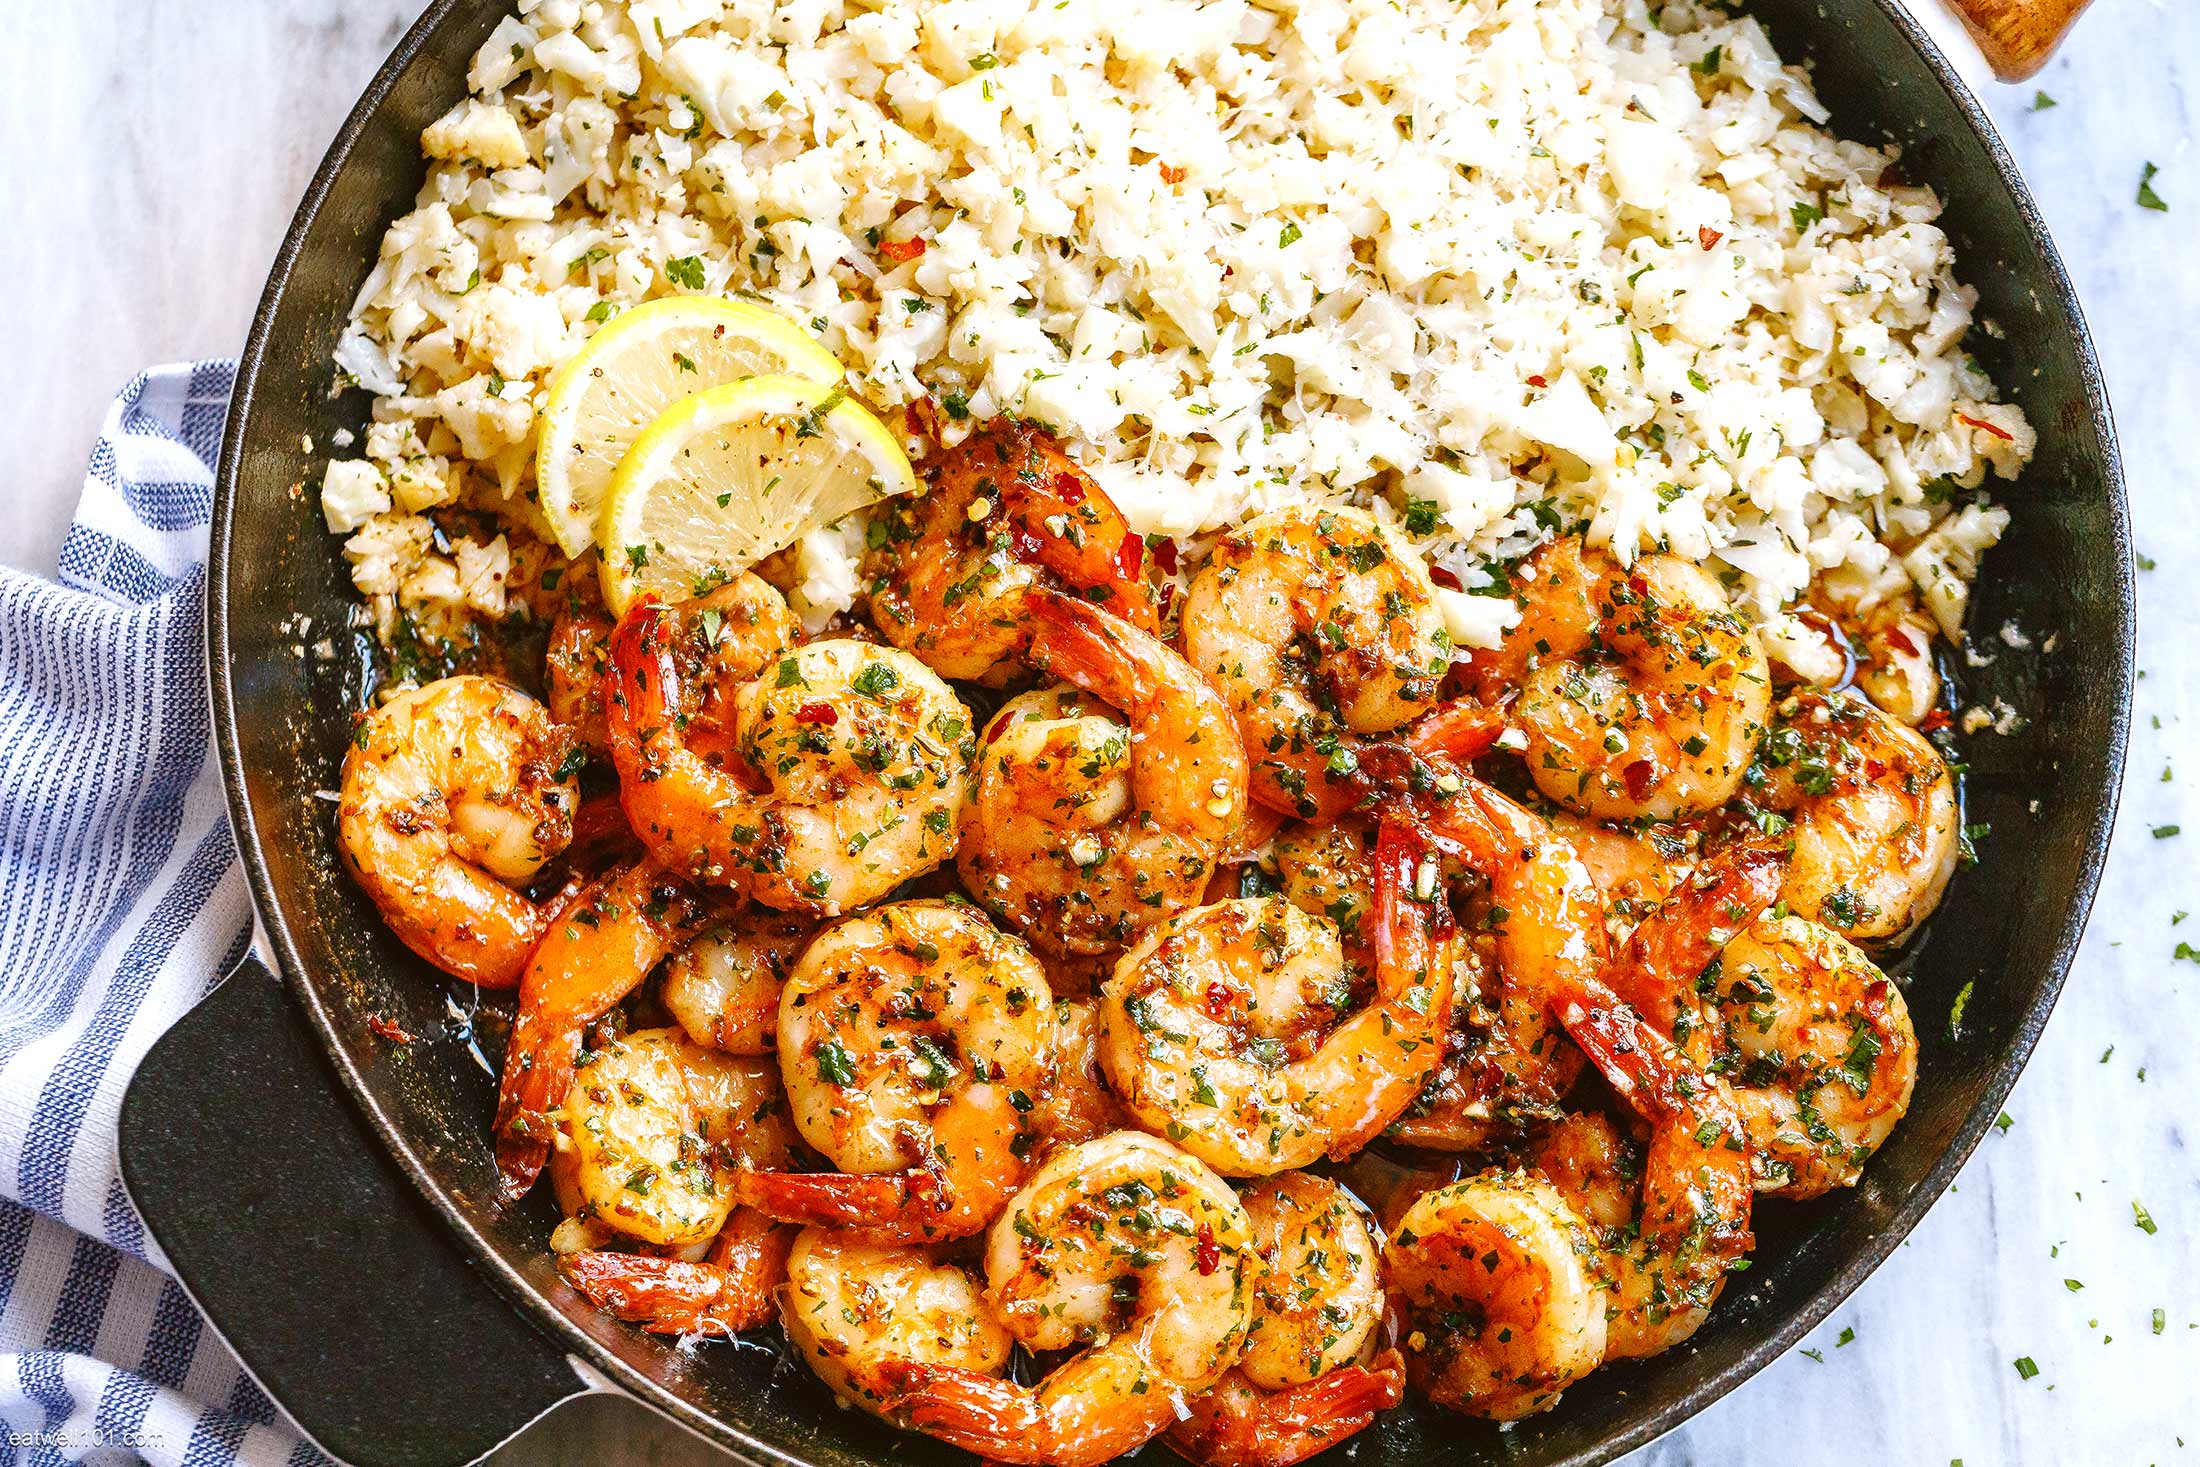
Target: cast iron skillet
{"points": [[359, 1277]]}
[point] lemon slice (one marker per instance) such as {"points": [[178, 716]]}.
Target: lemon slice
{"points": [[728, 476], [642, 362]]}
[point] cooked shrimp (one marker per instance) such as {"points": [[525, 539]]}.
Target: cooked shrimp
{"points": [[1666, 953], [1321, 630], [453, 795], [1694, 1221], [1222, 1025], [841, 762], [1503, 1308], [1822, 1055], [1129, 1248], [1237, 1424], [1310, 1376], [1598, 1166], [1876, 824], [1085, 825], [723, 987], [574, 666], [598, 951], [916, 1042], [653, 1128], [1006, 512], [857, 1310], [1641, 691], [729, 1290], [1505, 1061], [1079, 1106]]}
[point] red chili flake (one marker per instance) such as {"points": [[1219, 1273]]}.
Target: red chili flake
{"points": [[1537, 382], [1875, 768], [1938, 719], [823, 713], [1069, 488], [1708, 237], [1218, 998], [1024, 544], [2003, 434], [1171, 175], [1445, 578], [1168, 598], [1901, 640], [1208, 1255], [1638, 775], [1164, 555], [1130, 557], [903, 250], [388, 1030]]}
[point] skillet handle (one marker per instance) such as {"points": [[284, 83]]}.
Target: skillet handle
{"points": [[305, 1245], [2018, 35]]}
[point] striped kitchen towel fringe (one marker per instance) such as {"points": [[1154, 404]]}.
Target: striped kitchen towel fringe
{"points": [[121, 901]]}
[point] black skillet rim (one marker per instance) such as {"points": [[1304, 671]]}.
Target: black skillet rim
{"points": [[273, 920]]}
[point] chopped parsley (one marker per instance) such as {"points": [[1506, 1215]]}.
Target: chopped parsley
{"points": [[833, 1065], [2148, 198]]}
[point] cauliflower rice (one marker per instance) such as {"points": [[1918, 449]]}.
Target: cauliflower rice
{"points": [[1496, 265]]}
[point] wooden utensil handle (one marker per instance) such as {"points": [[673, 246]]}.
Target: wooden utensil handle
{"points": [[2018, 35]]}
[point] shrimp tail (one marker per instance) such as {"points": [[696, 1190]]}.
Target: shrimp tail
{"points": [[980, 1413], [537, 1070], [599, 948], [896, 1206], [1462, 730], [1323, 1412], [1413, 928], [1104, 559], [1411, 923], [1082, 644], [669, 1296], [645, 683], [1238, 1425], [1674, 944]]}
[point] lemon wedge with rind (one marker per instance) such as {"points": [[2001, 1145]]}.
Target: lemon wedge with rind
{"points": [[637, 365], [728, 476]]}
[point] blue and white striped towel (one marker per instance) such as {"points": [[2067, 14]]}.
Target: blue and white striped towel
{"points": [[120, 902]]}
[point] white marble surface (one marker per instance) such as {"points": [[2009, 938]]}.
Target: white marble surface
{"points": [[155, 151]]}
